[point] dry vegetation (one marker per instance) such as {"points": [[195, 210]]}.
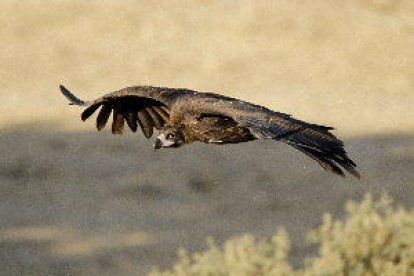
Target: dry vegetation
{"points": [[375, 238]]}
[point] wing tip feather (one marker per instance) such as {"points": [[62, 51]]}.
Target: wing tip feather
{"points": [[329, 162], [73, 100]]}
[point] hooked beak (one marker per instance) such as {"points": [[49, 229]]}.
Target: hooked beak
{"points": [[162, 142], [157, 144]]}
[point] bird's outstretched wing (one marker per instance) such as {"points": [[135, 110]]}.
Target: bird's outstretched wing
{"points": [[148, 107], [316, 141]]}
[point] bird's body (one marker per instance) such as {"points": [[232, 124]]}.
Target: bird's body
{"points": [[220, 130], [184, 116]]}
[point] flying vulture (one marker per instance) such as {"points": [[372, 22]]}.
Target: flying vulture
{"points": [[184, 116]]}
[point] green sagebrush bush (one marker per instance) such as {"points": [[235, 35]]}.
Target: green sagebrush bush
{"points": [[375, 238]]}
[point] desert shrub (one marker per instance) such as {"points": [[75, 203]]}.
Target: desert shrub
{"points": [[239, 256], [375, 238]]}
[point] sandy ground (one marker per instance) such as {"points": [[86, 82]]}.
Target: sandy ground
{"points": [[75, 202]]}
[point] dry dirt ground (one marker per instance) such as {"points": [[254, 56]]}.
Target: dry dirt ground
{"points": [[77, 202]]}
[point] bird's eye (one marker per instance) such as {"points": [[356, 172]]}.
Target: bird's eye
{"points": [[170, 136]]}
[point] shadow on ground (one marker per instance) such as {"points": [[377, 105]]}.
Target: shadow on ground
{"points": [[83, 203]]}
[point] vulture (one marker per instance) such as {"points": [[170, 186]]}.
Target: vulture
{"points": [[184, 116]]}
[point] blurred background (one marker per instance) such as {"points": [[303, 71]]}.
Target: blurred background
{"points": [[77, 202]]}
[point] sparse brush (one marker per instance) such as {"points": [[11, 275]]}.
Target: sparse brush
{"points": [[375, 238]]}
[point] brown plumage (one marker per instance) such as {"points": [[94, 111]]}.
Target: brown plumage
{"points": [[184, 116]]}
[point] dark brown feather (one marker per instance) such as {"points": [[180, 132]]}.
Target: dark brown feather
{"points": [[162, 113], [165, 109], [156, 118], [89, 111], [117, 123], [73, 100], [329, 154], [103, 117], [216, 129], [145, 122], [132, 120], [325, 163]]}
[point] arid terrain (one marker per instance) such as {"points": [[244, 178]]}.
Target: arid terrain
{"points": [[77, 202]]}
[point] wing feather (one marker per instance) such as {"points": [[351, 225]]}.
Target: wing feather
{"points": [[103, 117], [323, 147], [145, 106], [146, 123], [327, 164], [73, 100], [89, 111], [165, 115], [314, 140], [132, 120], [117, 123], [156, 118]]}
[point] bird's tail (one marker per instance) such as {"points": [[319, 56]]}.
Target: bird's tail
{"points": [[322, 146], [73, 100]]}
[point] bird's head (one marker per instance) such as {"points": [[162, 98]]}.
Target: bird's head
{"points": [[170, 138]]}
